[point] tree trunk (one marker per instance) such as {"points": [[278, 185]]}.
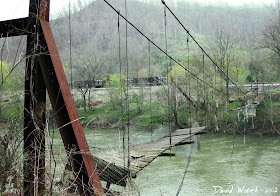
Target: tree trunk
{"points": [[89, 100], [85, 102], [174, 107], [177, 124], [1, 93]]}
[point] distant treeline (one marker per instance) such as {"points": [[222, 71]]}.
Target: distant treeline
{"points": [[152, 81]]}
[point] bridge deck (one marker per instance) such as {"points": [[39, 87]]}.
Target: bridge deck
{"points": [[114, 170]]}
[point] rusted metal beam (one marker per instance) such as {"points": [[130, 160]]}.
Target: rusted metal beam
{"points": [[65, 111], [45, 10], [43, 62], [14, 27], [67, 118], [34, 112]]}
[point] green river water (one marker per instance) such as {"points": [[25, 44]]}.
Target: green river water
{"points": [[252, 170]]}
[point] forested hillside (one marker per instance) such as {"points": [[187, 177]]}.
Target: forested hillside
{"points": [[94, 35], [138, 74]]}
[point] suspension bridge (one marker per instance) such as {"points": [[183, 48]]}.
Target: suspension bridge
{"points": [[114, 170], [114, 167]]}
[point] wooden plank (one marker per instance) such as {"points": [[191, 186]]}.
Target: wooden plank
{"points": [[141, 155], [111, 173]]}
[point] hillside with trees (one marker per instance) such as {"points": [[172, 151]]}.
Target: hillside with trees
{"points": [[95, 35], [201, 76]]}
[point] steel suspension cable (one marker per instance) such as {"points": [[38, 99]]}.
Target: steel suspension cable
{"points": [[197, 95], [127, 91], [70, 47], [211, 59], [121, 83], [150, 76], [234, 138], [174, 60], [167, 78], [186, 170], [189, 85], [203, 77], [244, 128], [205, 95], [213, 95]]}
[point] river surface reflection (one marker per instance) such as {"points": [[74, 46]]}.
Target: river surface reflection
{"points": [[252, 170]]}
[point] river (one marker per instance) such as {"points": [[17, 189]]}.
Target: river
{"points": [[252, 169]]}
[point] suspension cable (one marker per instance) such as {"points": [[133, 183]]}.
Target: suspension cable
{"points": [[121, 83], [189, 85], [167, 78], [150, 76], [197, 95], [70, 47], [127, 91], [234, 137], [203, 77], [211, 59], [118, 12], [186, 170]]}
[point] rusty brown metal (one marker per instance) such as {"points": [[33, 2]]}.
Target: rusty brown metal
{"points": [[45, 10], [67, 117], [65, 111], [44, 71]]}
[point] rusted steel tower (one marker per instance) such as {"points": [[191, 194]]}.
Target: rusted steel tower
{"points": [[44, 71]]}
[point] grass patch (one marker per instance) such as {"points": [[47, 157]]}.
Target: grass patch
{"points": [[12, 111], [106, 115], [235, 104]]}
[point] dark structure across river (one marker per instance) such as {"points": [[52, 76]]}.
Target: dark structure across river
{"points": [[151, 81]]}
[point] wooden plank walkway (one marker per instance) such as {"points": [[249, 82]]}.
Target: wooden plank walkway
{"points": [[113, 169]]}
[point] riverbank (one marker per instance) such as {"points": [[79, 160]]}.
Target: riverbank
{"points": [[266, 121], [150, 114], [104, 116]]}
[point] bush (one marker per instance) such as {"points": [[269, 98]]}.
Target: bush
{"points": [[79, 103], [115, 86], [10, 162]]}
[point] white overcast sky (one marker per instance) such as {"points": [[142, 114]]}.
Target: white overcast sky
{"points": [[11, 9]]}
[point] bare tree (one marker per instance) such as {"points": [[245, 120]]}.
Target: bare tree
{"points": [[90, 67], [223, 53], [271, 33]]}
